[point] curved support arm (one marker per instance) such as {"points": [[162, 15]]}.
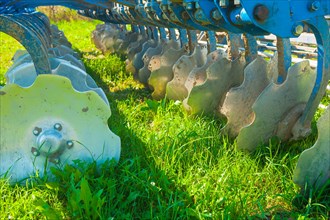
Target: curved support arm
{"points": [[30, 40], [321, 31]]}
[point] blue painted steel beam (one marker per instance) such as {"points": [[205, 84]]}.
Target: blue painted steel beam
{"points": [[253, 17], [321, 30]]}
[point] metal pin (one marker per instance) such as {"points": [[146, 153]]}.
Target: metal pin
{"points": [[58, 126], [261, 13], [69, 144], [189, 6], [297, 29], [216, 15], [35, 151], [315, 6], [37, 131]]}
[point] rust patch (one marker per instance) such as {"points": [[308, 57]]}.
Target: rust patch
{"points": [[84, 109], [88, 96]]}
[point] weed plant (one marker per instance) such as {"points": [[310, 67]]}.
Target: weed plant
{"points": [[172, 165]]}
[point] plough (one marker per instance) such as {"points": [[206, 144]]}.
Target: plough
{"points": [[52, 112]]}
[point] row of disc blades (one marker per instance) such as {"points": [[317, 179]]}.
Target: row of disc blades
{"points": [[247, 94], [52, 119]]}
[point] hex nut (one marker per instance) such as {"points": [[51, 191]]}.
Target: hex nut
{"points": [[260, 13], [58, 127]]}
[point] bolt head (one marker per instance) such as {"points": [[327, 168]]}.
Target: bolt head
{"points": [[238, 17], [260, 13], [69, 144], [297, 30], [199, 15], [58, 127], [35, 151], [37, 131], [216, 15], [55, 160], [315, 6], [223, 3], [189, 6]]}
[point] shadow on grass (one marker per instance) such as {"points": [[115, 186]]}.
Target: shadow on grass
{"points": [[137, 94], [274, 153], [142, 190]]}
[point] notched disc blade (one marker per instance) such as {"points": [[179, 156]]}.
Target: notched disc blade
{"points": [[106, 37], [144, 72], [151, 63], [24, 75], [221, 76], [176, 89], [135, 47], [132, 50], [58, 37], [313, 165], [274, 103], [62, 50], [197, 76], [50, 100], [74, 61], [130, 37], [237, 106], [163, 73], [137, 61]]}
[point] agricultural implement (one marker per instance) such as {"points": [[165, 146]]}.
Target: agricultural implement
{"points": [[52, 111]]}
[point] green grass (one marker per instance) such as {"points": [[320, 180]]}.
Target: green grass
{"points": [[7, 50], [173, 166]]}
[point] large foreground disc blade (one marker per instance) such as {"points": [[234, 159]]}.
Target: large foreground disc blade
{"points": [[24, 75], [50, 123]]}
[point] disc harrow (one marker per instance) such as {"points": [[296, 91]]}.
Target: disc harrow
{"points": [[174, 48]]}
